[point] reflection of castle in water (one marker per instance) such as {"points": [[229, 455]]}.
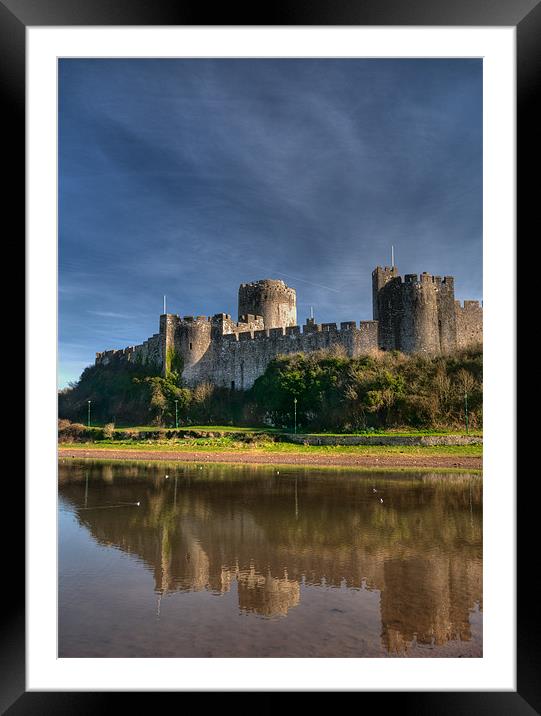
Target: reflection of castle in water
{"points": [[186, 566], [268, 537]]}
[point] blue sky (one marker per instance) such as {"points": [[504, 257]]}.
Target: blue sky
{"points": [[189, 177]]}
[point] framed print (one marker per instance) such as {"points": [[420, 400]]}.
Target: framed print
{"points": [[176, 163]]}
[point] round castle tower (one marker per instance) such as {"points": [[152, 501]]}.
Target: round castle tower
{"points": [[419, 330], [272, 299], [415, 315], [193, 340]]}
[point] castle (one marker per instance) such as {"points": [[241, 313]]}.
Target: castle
{"points": [[416, 314]]}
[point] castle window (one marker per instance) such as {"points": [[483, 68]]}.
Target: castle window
{"points": [[190, 346], [232, 385]]}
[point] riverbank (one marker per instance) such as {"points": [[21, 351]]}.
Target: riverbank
{"points": [[467, 457]]}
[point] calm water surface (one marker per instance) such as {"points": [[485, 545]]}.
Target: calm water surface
{"points": [[244, 561]]}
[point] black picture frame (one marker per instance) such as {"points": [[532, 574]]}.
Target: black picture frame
{"points": [[525, 15]]}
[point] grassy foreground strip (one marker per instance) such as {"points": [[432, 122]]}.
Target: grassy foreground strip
{"points": [[209, 429], [204, 445]]}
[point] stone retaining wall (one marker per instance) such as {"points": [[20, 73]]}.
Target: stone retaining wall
{"points": [[420, 440]]}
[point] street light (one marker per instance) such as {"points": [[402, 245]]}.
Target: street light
{"points": [[176, 413], [295, 408], [89, 412]]}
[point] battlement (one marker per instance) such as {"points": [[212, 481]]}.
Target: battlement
{"points": [[270, 284], [248, 318], [412, 280], [391, 270], [426, 279], [446, 281], [148, 351], [195, 319], [469, 305], [413, 313], [116, 354], [169, 316], [101, 356], [299, 331]]}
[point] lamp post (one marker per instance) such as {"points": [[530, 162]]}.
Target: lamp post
{"points": [[295, 409], [176, 413], [89, 412], [466, 410]]}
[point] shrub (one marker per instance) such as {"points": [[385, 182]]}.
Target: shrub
{"points": [[108, 431], [70, 432]]}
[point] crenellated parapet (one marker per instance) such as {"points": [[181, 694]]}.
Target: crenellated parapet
{"points": [[346, 327], [147, 352], [414, 314], [240, 358]]}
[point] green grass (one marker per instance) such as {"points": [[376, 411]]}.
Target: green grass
{"points": [[227, 444], [265, 429], [207, 428]]}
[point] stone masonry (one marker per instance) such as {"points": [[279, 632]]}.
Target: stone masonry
{"points": [[412, 315]]}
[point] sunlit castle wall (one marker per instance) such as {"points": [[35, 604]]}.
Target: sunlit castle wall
{"points": [[414, 314], [240, 358]]}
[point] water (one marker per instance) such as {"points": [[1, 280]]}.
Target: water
{"points": [[225, 561]]}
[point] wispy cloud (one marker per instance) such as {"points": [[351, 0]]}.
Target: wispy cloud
{"points": [[188, 177], [303, 280], [111, 314]]}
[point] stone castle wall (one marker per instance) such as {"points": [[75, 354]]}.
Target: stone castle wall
{"points": [[237, 360], [469, 323], [414, 314], [239, 355], [148, 353]]}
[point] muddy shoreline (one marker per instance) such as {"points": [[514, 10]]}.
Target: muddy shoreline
{"points": [[255, 458]]}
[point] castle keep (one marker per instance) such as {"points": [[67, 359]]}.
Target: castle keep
{"points": [[414, 314]]}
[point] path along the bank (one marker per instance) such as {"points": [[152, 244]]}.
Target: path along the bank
{"points": [[265, 458]]}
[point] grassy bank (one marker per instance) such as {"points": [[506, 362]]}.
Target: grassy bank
{"points": [[227, 444], [399, 432], [190, 428]]}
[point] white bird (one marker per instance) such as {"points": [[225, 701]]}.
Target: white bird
{"points": [[374, 489], [166, 477], [137, 503], [277, 472], [381, 500]]}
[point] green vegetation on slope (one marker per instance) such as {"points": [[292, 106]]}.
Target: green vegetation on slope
{"points": [[334, 393]]}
